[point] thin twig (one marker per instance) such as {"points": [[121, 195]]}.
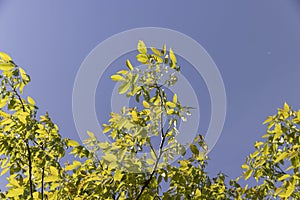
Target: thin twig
{"points": [[27, 144], [163, 138]]}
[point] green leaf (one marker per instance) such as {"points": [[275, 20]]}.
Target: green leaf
{"points": [[30, 101], [194, 149], [129, 65], [124, 87], [142, 47], [117, 78]]}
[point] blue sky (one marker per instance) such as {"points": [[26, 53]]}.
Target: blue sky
{"points": [[255, 45]]}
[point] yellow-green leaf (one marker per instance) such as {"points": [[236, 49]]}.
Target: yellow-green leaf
{"points": [[269, 119], [175, 98], [285, 176], [173, 58], [106, 129], [170, 111], [142, 47], [289, 190], [198, 193], [5, 57], [51, 178], [246, 167], [194, 149], [36, 195], [30, 101], [248, 174], [73, 166], [23, 74], [282, 156], [54, 171], [124, 87], [134, 115], [156, 51], [164, 49], [2, 102], [4, 171], [73, 143], [146, 104], [277, 191], [129, 65], [286, 107], [171, 104], [142, 58], [14, 192], [117, 78], [6, 66], [123, 71], [150, 161], [118, 175], [109, 157]]}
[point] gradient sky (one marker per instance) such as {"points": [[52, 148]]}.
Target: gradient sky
{"points": [[255, 45]]}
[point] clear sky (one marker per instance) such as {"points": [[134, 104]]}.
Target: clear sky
{"points": [[255, 45]]}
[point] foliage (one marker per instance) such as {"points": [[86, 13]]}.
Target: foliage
{"points": [[134, 165]]}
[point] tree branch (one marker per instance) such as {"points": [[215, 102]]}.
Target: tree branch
{"points": [[163, 138], [27, 143]]}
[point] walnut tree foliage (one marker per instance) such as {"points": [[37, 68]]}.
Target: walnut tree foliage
{"points": [[134, 165]]}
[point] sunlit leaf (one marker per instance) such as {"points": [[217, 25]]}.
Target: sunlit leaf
{"points": [[146, 104], [142, 47], [5, 57], [156, 51], [129, 65], [6, 66], [117, 78], [173, 58], [30, 101], [142, 58], [73, 143], [124, 87]]}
